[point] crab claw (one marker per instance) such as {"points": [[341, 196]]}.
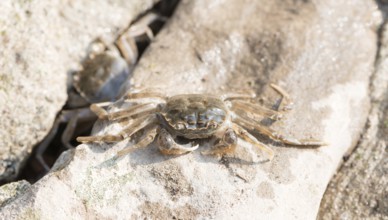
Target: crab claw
{"points": [[176, 149], [167, 144]]}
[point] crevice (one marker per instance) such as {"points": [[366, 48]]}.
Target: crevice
{"points": [[33, 170]]}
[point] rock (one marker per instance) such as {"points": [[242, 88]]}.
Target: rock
{"points": [[40, 42], [321, 52], [360, 188], [12, 190]]}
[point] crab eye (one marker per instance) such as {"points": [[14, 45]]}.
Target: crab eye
{"points": [[230, 137], [212, 125], [179, 126]]}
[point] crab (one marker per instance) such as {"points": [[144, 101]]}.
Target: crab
{"points": [[103, 72], [223, 119]]}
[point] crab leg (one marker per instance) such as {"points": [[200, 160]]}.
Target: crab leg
{"points": [[101, 138], [128, 49], [126, 42], [167, 144], [288, 103], [44, 144], [134, 111], [69, 130], [255, 110], [138, 124], [134, 127], [144, 142], [238, 95], [141, 95], [275, 136], [141, 26], [131, 112], [98, 109], [70, 116], [245, 135]]}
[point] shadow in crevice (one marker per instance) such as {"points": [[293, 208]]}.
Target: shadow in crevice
{"points": [[34, 170]]}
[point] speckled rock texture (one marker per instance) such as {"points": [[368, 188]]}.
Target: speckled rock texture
{"points": [[360, 188], [321, 52], [9, 192], [40, 42]]}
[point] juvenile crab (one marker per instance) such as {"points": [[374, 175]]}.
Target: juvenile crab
{"points": [[224, 119], [103, 72]]}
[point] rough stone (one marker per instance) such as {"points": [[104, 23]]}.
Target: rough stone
{"points": [[12, 190], [360, 188], [40, 42], [321, 52]]}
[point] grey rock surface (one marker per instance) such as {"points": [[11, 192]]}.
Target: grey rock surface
{"points": [[10, 191], [40, 42], [321, 52], [360, 188]]}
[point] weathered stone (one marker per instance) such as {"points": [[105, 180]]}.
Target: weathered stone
{"points": [[40, 42], [321, 52], [12, 190], [360, 188]]}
